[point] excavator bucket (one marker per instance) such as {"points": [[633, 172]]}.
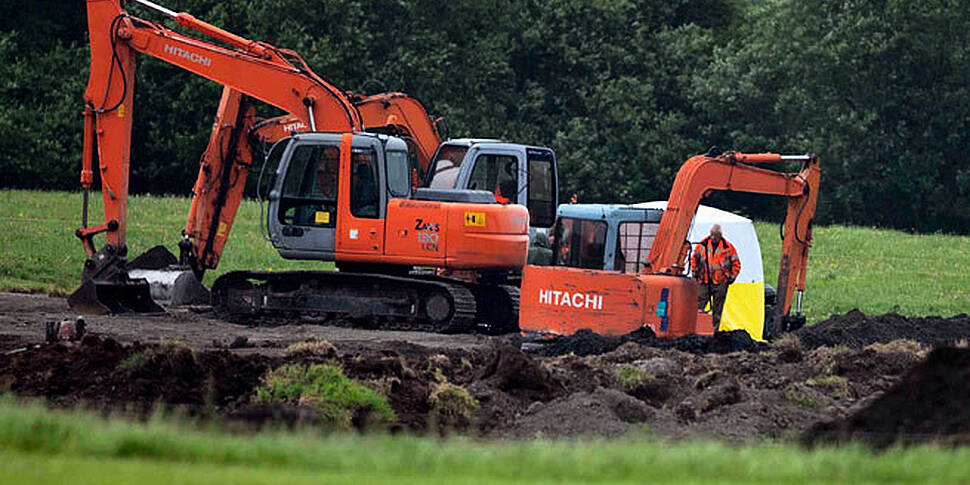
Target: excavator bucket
{"points": [[169, 283], [124, 296], [173, 287], [113, 287]]}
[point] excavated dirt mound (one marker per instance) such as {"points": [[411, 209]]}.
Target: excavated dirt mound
{"points": [[931, 403], [855, 329], [726, 387], [671, 393], [95, 372], [587, 342]]}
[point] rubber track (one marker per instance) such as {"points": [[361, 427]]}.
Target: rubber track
{"points": [[228, 286]]}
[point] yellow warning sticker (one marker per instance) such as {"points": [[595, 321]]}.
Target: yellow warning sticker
{"points": [[322, 217], [222, 229], [475, 219]]}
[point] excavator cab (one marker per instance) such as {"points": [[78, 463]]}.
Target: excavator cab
{"points": [[514, 173], [347, 197], [604, 236], [304, 198]]}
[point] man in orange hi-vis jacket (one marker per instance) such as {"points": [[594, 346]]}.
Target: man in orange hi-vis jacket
{"points": [[716, 265]]}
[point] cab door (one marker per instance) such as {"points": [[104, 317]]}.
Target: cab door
{"points": [[302, 215], [539, 190], [361, 206], [496, 170]]}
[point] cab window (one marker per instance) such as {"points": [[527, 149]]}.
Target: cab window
{"points": [[446, 165], [364, 196], [267, 174], [542, 192], [497, 174], [309, 196], [634, 240], [398, 173], [579, 243]]}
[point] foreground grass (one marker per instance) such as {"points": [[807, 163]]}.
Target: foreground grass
{"points": [[40, 252], [875, 270], [41, 446]]}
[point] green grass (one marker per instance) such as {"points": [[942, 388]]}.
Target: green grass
{"points": [[325, 388], [40, 446], [40, 252], [878, 271], [874, 270]]}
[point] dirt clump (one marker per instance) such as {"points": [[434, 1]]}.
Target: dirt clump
{"points": [[602, 412], [930, 404], [856, 330], [518, 373]]}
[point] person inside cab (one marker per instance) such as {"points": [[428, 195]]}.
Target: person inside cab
{"points": [[364, 196]]}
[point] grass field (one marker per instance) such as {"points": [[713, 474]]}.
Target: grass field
{"points": [[875, 270], [41, 253], [39, 446]]}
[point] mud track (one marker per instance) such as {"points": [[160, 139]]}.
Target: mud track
{"points": [[725, 388]]}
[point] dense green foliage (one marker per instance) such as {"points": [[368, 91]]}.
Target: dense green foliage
{"points": [[623, 90], [40, 446]]}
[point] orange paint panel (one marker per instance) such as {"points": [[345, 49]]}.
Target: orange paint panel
{"points": [[563, 301], [354, 234], [438, 230], [416, 230], [487, 236]]}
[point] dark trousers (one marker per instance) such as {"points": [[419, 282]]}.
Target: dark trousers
{"points": [[718, 292]]}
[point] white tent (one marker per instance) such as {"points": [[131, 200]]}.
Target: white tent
{"points": [[744, 308]]}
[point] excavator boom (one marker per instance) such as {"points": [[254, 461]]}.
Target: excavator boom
{"points": [[390, 113], [732, 171], [249, 71]]}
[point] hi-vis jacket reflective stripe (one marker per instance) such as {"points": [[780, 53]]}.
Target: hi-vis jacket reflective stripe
{"points": [[719, 263]]}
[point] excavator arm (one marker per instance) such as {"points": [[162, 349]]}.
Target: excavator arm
{"points": [[391, 113], [732, 171], [249, 71], [218, 190], [401, 115]]}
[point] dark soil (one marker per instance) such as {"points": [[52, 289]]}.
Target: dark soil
{"points": [[158, 257], [725, 387], [931, 403], [93, 373], [587, 342], [856, 329]]}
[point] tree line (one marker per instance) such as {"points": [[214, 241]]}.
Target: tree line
{"points": [[623, 90]]}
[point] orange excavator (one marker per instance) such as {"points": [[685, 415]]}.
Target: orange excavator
{"points": [[618, 269], [336, 193]]}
